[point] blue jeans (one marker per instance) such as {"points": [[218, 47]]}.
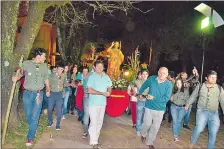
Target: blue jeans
{"points": [[45, 100], [86, 114], [178, 114], [55, 99], [66, 97], [203, 118], [187, 116], [140, 112], [32, 111]]}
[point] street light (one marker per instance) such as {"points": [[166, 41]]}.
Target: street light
{"points": [[212, 18], [205, 22]]}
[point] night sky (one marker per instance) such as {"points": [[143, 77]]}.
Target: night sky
{"points": [[163, 16]]}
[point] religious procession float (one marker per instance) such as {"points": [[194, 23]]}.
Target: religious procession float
{"points": [[118, 102]]}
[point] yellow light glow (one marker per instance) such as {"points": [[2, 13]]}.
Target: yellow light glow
{"points": [[126, 73]]}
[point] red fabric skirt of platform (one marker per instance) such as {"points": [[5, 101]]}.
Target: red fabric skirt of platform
{"points": [[117, 103]]}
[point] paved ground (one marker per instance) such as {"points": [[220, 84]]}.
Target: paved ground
{"points": [[118, 133]]}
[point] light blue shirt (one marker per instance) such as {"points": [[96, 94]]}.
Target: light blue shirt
{"points": [[101, 84]]}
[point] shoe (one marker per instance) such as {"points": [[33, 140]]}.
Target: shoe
{"points": [[85, 135], [63, 117], [151, 147], [186, 127], [138, 133], [80, 119], [29, 142], [176, 139], [72, 113], [49, 124], [191, 146], [95, 146], [134, 126], [58, 128], [45, 111], [143, 139]]}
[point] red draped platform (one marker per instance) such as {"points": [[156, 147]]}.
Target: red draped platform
{"points": [[117, 103]]}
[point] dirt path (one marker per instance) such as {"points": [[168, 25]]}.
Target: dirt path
{"points": [[116, 133]]}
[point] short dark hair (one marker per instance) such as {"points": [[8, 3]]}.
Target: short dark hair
{"points": [[39, 51], [145, 70], [98, 62], [211, 72], [61, 64], [172, 74]]}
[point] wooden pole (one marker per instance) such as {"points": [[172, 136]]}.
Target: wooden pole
{"points": [[9, 106], [150, 53]]}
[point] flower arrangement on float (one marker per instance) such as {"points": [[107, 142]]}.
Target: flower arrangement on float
{"points": [[120, 84]]}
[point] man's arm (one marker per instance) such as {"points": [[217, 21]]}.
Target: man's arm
{"points": [[92, 91], [193, 96], [166, 96], [47, 84], [222, 99], [109, 90], [144, 86]]}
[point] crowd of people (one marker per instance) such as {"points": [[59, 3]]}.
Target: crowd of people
{"points": [[63, 89]]}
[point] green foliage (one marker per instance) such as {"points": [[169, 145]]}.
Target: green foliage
{"points": [[17, 137]]}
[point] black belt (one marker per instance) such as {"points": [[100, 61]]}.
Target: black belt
{"points": [[179, 105], [34, 91]]}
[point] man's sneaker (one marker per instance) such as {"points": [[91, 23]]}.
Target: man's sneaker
{"points": [[143, 139], [151, 147], [29, 142], [176, 139], [186, 127], [84, 135], [49, 124], [72, 113], [58, 128], [95, 146], [63, 117], [138, 133]]}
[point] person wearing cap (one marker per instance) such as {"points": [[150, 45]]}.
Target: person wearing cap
{"points": [[57, 82], [36, 77], [209, 94]]}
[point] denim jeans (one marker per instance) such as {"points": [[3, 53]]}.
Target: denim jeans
{"points": [[140, 112], [187, 116], [32, 111], [71, 101], [203, 118], [178, 114], [66, 97], [55, 99], [86, 114], [45, 100]]}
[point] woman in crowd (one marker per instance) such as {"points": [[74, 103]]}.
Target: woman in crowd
{"points": [[132, 90], [178, 101]]}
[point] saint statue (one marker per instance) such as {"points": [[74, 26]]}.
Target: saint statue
{"points": [[115, 59]]}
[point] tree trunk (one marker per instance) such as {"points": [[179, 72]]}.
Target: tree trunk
{"points": [[9, 56], [31, 27], [9, 26], [60, 41], [153, 67]]}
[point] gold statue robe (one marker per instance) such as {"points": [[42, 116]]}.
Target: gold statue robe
{"points": [[115, 60]]}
